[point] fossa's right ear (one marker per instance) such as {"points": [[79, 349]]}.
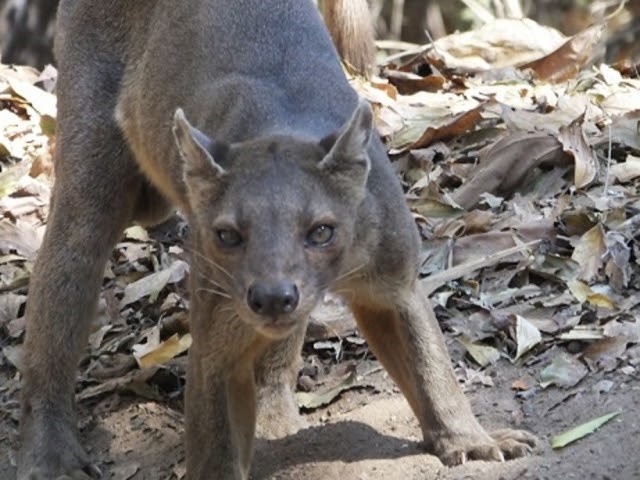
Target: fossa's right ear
{"points": [[200, 170], [196, 149]]}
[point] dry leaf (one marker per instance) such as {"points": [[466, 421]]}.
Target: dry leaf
{"points": [[627, 171], [527, 382], [589, 253], [10, 305], [583, 333], [527, 336], [502, 43], [612, 347], [580, 290], [457, 126], [575, 143], [564, 371], [43, 102], [151, 285], [313, 400], [19, 237], [565, 62], [170, 348], [15, 355], [483, 355], [507, 164]]}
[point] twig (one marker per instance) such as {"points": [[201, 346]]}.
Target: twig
{"points": [[606, 177], [435, 281]]}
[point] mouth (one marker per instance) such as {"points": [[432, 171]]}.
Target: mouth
{"points": [[275, 327]]}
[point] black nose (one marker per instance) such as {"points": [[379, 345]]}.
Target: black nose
{"points": [[271, 299]]}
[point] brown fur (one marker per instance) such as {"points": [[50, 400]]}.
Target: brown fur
{"points": [[288, 193], [351, 28]]}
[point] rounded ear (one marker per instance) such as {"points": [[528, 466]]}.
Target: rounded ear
{"points": [[348, 155]]}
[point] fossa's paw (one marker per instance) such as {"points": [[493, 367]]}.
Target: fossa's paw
{"points": [[272, 427], [515, 443], [497, 446], [61, 469], [278, 413], [53, 454], [39, 474]]}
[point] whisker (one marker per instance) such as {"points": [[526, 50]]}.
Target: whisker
{"points": [[349, 293], [225, 309], [212, 282], [208, 260], [349, 273], [215, 292]]}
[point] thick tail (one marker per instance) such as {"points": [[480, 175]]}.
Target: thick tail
{"points": [[351, 28]]}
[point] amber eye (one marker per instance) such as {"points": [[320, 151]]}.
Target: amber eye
{"points": [[228, 237], [320, 235]]}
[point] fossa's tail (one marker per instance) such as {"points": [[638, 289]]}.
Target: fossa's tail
{"points": [[351, 28]]}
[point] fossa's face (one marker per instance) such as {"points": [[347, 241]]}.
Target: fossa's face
{"points": [[275, 222]]}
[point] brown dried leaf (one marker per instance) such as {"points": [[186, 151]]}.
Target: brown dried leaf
{"points": [[408, 83], [507, 164], [524, 383], [498, 44], [589, 253], [459, 125], [575, 143], [170, 348], [565, 62], [610, 347]]}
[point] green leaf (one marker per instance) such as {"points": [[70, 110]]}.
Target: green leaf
{"points": [[583, 430]]}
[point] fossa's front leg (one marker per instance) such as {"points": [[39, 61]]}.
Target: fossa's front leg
{"points": [[220, 399], [404, 334], [277, 374], [94, 198], [220, 409]]}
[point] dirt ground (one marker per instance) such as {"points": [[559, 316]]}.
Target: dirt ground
{"points": [[370, 433]]}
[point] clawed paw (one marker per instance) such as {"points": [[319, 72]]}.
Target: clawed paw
{"points": [[91, 472], [278, 415], [515, 443], [272, 428], [51, 451], [498, 446]]}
